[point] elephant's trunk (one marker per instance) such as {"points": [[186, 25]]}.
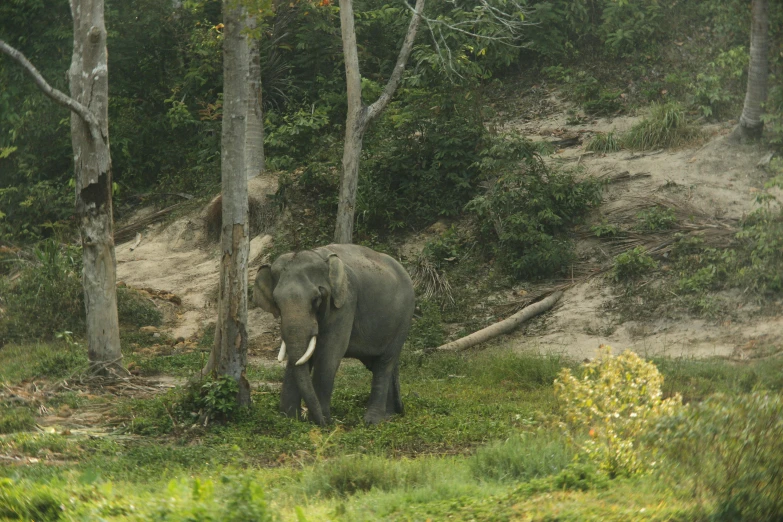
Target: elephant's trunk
{"points": [[305, 385]]}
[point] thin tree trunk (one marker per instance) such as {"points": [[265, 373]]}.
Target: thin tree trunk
{"points": [[89, 83], [254, 138], [359, 117], [92, 169], [504, 326], [750, 125], [229, 353]]}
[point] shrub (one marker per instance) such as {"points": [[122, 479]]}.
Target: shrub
{"points": [[632, 264], [351, 474], [426, 329], [48, 297], [666, 126], [656, 218], [614, 401], [25, 501], [730, 447], [524, 457], [528, 209], [15, 419]]}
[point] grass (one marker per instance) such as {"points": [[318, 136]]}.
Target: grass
{"points": [[604, 143], [475, 444], [666, 126]]}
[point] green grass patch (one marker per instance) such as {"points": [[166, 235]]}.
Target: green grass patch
{"points": [[604, 143], [666, 126]]}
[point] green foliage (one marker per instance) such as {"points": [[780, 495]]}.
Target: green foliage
{"points": [[655, 219], [524, 457], [632, 264], [586, 90], [604, 143], [528, 209], [564, 27], [614, 400], [134, 309], [666, 126], [422, 159], [212, 398], [604, 229], [729, 447], [762, 239], [348, 475], [47, 298], [20, 501], [15, 419], [427, 327], [718, 91]]}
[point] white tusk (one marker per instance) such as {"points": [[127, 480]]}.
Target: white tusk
{"points": [[281, 355], [308, 353]]}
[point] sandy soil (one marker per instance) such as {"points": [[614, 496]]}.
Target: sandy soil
{"points": [[715, 179], [177, 258]]}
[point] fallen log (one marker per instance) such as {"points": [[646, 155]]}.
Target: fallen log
{"points": [[128, 232], [504, 326]]}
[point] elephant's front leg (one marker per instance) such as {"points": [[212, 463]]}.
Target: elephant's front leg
{"points": [[323, 379], [290, 398]]}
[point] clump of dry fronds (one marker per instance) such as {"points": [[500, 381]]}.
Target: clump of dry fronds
{"points": [[430, 281]]}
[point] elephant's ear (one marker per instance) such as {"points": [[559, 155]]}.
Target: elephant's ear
{"points": [[262, 291], [338, 281]]}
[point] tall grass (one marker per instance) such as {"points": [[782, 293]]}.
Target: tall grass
{"points": [[523, 457], [666, 126]]}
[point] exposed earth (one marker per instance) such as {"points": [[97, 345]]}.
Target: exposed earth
{"points": [[716, 181]]}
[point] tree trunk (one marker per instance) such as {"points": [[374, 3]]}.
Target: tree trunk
{"points": [[92, 167], [254, 137], [359, 117], [229, 353], [504, 326], [750, 125]]}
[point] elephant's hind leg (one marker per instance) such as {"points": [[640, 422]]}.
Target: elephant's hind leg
{"points": [[394, 397]]}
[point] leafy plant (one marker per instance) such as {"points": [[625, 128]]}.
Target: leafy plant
{"points": [[213, 398], [632, 264], [604, 229], [524, 457], [666, 126], [729, 447], [527, 209], [613, 402], [717, 90], [656, 218]]}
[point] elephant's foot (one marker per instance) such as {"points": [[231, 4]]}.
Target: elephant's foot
{"points": [[376, 416]]}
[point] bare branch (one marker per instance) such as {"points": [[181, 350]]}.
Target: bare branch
{"points": [[512, 23], [58, 96], [402, 59]]}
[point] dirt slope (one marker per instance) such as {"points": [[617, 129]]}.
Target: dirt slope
{"points": [[714, 179], [717, 180], [177, 258]]}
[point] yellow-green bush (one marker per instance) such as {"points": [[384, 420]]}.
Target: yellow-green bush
{"points": [[613, 403]]}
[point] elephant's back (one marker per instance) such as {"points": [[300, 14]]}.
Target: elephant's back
{"points": [[377, 275]]}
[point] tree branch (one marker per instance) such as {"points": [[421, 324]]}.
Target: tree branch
{"points": [[58, 96], [402, 59]]}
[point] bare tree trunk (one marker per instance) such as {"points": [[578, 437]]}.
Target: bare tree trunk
{"points": [[750, 125], [359, 117], [89, 82], [92, 168], [504, 326], [229, 353], [254, 138]]}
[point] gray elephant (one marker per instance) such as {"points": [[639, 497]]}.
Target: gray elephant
{"points": [[338, 301]]}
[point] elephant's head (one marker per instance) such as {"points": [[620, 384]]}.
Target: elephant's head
{"points": [[301, 289]]}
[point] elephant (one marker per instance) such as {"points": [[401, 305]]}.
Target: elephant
{"points": [[333, 302]]}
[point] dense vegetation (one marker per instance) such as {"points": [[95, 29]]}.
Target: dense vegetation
{"points": [[487, 436]]}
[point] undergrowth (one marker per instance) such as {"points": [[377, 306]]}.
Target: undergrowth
{"points": [[666, 126]]}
